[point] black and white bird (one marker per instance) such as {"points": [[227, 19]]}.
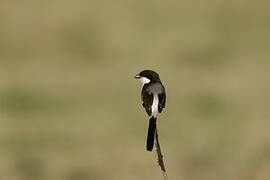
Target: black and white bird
{"points": [[154, 98]]}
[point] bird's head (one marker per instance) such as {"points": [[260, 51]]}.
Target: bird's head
{"points": [[147, 76]]}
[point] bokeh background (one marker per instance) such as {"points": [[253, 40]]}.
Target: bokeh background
{"points": [[70, 108]]}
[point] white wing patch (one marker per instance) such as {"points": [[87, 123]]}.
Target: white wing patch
{"points": [[155, 106]]}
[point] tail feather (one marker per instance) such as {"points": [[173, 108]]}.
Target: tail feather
{"points": [[151, 134]]}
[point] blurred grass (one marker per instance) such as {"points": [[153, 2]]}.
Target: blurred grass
{"points": [[70, 108]]}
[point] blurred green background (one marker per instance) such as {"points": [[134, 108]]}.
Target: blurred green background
{"points": [[70, 108]]}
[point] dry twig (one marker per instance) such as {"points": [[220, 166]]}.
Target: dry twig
{"points": [[160, 157]]}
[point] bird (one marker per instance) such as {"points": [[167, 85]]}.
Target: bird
{"points": [[153, 98]]}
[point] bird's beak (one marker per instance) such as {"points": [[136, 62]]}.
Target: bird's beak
{"points": [[137, 76]]}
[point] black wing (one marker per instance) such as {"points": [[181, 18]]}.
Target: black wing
{"points": [[161, 100], [147, 99]]}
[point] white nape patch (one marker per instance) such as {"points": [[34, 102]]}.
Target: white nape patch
{"points": [[155, 106], [144, 80]]}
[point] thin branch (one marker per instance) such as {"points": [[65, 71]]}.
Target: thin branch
{"points": [[160, 157]]}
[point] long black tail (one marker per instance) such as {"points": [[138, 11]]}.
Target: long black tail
{"points": [[151, 133]]}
